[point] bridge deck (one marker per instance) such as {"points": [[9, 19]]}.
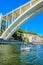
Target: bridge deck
{"points": [[17, 12]]}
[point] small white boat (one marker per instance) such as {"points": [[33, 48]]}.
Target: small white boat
{"points": [[25, 49]]}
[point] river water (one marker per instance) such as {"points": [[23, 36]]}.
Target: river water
{"points": [[11, 54]]}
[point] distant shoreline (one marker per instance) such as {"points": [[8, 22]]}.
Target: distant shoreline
{"points": [[36, 43]]}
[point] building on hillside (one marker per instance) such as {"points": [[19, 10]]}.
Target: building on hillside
{"points": [[32, 38]]}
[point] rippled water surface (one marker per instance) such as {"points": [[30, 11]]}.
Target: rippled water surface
{"points": [[11, 54]]}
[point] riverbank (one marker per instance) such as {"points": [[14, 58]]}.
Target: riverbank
{"points": [[24, 36], [16, 43], [20, 43]]}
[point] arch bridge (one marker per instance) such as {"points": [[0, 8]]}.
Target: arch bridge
{"points": [[14, 19]]}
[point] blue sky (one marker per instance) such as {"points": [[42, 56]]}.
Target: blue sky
{"points": [[35, 24]]}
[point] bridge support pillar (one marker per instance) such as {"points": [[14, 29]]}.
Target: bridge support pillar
{"points": [[20, 11], [0, 22], [7, 23], [30, 3], [12, 16]]}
